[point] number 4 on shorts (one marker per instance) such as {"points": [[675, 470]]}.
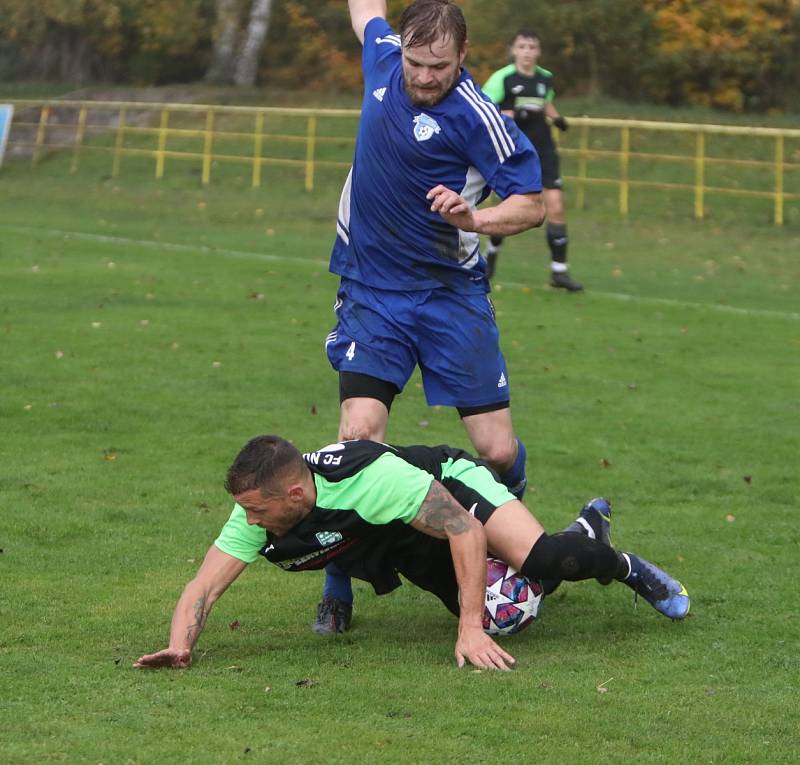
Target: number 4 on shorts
{"points": [[351, 351]]}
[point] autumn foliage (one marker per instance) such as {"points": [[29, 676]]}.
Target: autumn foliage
{"points": [[735, 54], [731, 54]]}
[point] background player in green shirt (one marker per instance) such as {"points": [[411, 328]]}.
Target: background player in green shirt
{"points": [[523, 90], [432, 514]]}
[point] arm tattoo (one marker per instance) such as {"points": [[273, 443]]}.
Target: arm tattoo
{"points": [[441, 513], [200, 616]]}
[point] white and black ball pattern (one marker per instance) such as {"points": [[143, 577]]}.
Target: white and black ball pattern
{"points": [[512, 601]]}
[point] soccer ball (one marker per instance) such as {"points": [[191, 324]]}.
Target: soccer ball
{"points": [[512, 601]]}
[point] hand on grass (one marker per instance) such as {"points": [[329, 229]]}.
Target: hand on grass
{"points": [[477, 648], [178, 658]]}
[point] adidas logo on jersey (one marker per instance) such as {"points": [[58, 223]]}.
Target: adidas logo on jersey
{"points": [[517, 89], [379, 93], [502, 382]]}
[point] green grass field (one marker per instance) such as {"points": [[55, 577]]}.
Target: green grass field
{"points": [[148, 329]]}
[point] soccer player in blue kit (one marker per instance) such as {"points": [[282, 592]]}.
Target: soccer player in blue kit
{"points": [[430, 147]]}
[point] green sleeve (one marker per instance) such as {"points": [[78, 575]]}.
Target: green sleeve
{"points": [[388, 489], [239, 539], [495, 86]]}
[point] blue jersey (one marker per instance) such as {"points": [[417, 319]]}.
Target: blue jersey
{"points": [[387, 236]]}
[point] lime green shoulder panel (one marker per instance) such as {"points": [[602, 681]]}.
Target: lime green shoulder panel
{"points": [[388, 489], [494, 87]]}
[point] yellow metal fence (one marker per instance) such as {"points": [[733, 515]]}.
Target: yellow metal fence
{"points": [[36, 134], [771, 172], [602, 151]]}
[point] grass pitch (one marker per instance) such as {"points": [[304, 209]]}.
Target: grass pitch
{"points": [[149, 329]]}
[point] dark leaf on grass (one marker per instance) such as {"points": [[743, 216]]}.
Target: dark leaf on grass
{"points": [[234, 625], [604, 462], [117, 661], [305, 683], [747, 478], [313, 408], [247, 750]]}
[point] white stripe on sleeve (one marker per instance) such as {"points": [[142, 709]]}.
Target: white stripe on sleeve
{"points": [[491, 118], [494, 115]]}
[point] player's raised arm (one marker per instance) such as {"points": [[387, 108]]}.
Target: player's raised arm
{"points": [[441, 516], [362, 11], [214, 576]]}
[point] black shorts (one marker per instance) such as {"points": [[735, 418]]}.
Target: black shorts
{"points": [[429, 563], [551, 167]]}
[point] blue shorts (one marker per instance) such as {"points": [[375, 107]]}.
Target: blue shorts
{"points": [[452, 337]]}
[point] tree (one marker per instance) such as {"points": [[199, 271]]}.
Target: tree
{"points": [[237, 52], [257, 26], [70, 40], [724, 54], [593, 46], [226, 35]]}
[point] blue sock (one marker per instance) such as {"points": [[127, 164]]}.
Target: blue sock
{"points": [[337, 584], [515, 479]]}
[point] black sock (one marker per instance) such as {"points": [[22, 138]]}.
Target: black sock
{"points": [[493, 248], [573, 557], [557, 241]]}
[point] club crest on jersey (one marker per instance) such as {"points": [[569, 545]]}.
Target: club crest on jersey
{"points": [[327, 538], [425, 127]]}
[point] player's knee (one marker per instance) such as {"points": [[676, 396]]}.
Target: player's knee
{"points": [[500, 456], [363, 419], [570, 556], [358, 431]]}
